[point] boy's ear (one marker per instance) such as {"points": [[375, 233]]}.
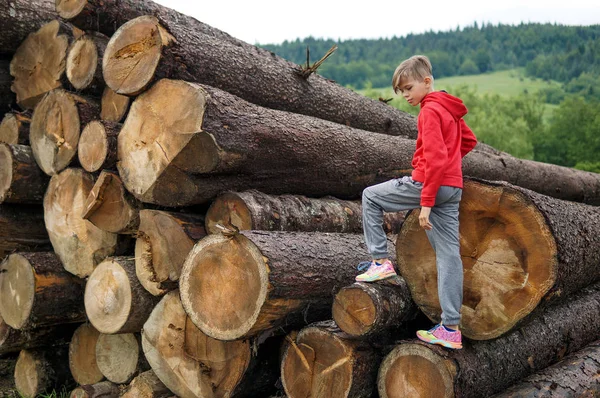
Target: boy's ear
{"points": [[427, 80]]}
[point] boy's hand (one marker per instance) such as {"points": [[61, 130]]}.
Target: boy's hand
{"points": [[424, 218]]}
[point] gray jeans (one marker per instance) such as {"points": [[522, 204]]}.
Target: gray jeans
{"points": [[405, 194]]}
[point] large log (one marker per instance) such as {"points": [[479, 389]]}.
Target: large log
{"points": [[36, 291], [79, 244], [20, 18], [7, 98], [97, 148], [147, 385], [191, 364], [517, 246], [82, 355], [120, 357], [483, 368], [322, 361], [42, 370], [254, 210], [14, 128], [56, 126], [238, 286], [84, 62], [21, 180], [22, 229], [115, 300], [163, 242], [103, 389], [13, 340], [576, 375], [114, 106]]}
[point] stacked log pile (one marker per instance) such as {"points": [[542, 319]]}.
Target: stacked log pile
{"points": [[180, 215]]}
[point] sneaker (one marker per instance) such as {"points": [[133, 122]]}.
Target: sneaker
{"points": [[376, 271], [441, 335]]}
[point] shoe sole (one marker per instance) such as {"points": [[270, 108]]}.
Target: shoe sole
{"points": [[377, 278], [444, 343]]}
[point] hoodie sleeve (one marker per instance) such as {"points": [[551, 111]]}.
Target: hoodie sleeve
{"points": [[468, 139], [435, 154]]}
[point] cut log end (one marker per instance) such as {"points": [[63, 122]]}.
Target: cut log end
{"points": [[233, 267], [228, 210], [28, 375], [82, 355], [82, 62], [93, 146], [413, 370], [354, 311], [114, 106], [117, 356], [509, 257], [9, 129], [6, 171], [69, 9], [17, 290]]}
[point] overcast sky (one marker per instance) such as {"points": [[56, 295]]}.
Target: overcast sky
{"points": [[273, 21]]}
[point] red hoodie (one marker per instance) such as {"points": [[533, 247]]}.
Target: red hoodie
{"points": [[443, 140]]}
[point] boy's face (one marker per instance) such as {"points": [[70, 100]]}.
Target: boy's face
{"points": [[413, 90]]}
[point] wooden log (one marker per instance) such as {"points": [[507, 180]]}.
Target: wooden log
{"points": [[147, 385], [7, 377], [36, 291], [163, 242], [115, 300], [97, 149], [21, 180], [56, 126], [120, 357], [104, 389], [254, 210], [38, 65], [7, 98], [483, 368], [574, 376], [22, 229], [20, 18], [191, 364], [373, 310], [264, 276], [517, 247], [14, 128], [79, 244], [110, 207], [82, 355], [114, 106], [40, 371], [84, 62], [322, 361], [13, 340]]}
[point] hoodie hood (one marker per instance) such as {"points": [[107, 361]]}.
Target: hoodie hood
{"points": [[452, 104]]}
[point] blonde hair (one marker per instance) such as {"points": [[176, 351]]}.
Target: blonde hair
{"points": [[416, 67]]}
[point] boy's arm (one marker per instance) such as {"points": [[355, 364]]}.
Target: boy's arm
{"points": [[436, 156], [468, 139]]}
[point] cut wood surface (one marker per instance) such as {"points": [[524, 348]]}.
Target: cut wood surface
{"points": [[103, 389], [56, 126], [254, 210], [13, 340], [36, 291], [147, 385], [163, 242], [115, 300], [79, 244], [114, 106], [14, 128], [110, 207], [20, 18], [238, 286], [372, 310], [21, 180], [84, 62], [191, 364], [483, 368], [22, 229], [97, 148], [41, 371], [82, 355], [322, 362], [120, 357], [517, 247], [7, 98]]}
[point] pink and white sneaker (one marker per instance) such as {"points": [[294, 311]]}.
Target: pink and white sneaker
{"points": [[376, 271], [441, 335]]}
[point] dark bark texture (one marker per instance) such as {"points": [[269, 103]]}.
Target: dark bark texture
{"points": [[7, 97], [22, 229], [12, 340], [28, 182], [20, 18]]}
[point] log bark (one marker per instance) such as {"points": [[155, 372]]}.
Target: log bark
{"points": [[373, 310], [110, 207], [82, 355], [84, 63], [115, 300], [39, 371], [22, 229], [104, 389], [21, 180], [120, 357], [518, 249], [13, 340], [20, 18], [7, 98], [163, 242], [14, 128], [7, 377], [36, 291], [97, 148], [322, 361], [147, 385], [79, 244], [483, 368], [265, 276], [56, 126], [114, 106], [576, 375], [191, 364], [254, 210]]}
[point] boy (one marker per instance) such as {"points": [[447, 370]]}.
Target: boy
{"points": [[435, 186]]}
